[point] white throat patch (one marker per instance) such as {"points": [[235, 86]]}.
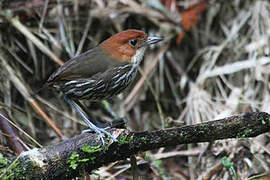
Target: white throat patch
{"points": [[138, 56]]}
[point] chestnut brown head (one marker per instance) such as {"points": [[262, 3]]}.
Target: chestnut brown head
{"points": [[128, 46]]}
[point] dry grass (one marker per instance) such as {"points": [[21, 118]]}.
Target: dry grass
{"points": [[221, 68]]}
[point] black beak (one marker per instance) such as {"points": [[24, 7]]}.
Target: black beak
{"points": [[152, 40]]}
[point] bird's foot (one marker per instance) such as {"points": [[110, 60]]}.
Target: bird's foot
{"points": [[101, 132]]}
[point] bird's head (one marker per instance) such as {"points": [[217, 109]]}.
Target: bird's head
{"points": [[128, 46]]}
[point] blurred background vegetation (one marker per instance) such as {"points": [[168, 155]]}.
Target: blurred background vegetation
{"points": [[213, 63]]}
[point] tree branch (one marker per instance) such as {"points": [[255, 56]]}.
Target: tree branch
{"points": [[85, 153]]}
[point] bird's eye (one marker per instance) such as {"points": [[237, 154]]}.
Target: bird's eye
{"points": [[133, 42]]}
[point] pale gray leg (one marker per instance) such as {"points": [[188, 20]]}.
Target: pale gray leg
{"points": [[98, 130]]}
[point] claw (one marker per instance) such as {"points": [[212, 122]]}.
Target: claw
{"points": [[100, 132], [101, 138], [108, 134]]}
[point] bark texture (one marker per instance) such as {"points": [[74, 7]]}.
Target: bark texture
{"points": [[84, 153]]}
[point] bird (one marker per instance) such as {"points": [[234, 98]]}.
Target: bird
{"points": [[102, 72]]}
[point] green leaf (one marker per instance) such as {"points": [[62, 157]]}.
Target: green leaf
{"points": [[84, 160]]}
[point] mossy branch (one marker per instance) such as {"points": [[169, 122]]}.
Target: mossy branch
{"points": [[82, 153]]}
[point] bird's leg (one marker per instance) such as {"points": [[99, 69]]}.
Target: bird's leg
{"points": [[116, 123], [89, 115], [98, 130]]}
